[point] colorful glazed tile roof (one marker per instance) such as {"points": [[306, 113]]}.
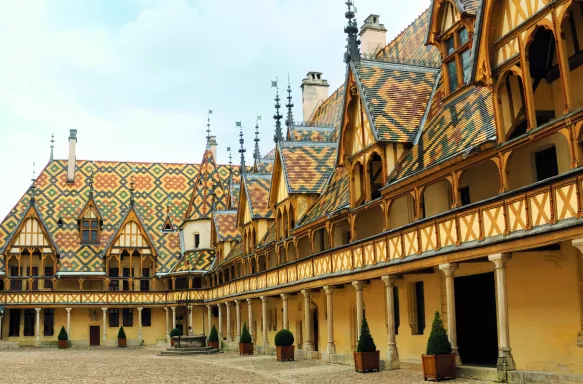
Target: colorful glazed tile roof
{"points": [[409, 46], [304, 133], [396, 96], [200, 260], [157, 185], [334, 197], [236, 251], [461, 125], [470, 6], [270, 155], [307, 165], [234, 193], [329, 113], [257, 192], [225, 223], [265, 166], [269, 237]]}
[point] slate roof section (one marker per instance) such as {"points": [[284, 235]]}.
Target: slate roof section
{"points": [[157, 185], [199, 260], [396, 96], [409, 46], [225, 223], [462, 124], [304, 133], [336, 196], [307, 165], [236, 251], [257, 191]]}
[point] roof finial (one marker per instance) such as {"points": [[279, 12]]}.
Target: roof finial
{"points": [[208, 127], [230, 165], [52, 145], [290, 117], [92, 169], [242, 149], [351, 29], [256, 153], [278, 134], [33, 185], [132, 191]]}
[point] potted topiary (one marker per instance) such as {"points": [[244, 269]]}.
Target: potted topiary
{"points": [[366, 357], [284, 345], [213, 339], [245, 342], [121, 337], [439, 362], [63, 338], [174, 333]]}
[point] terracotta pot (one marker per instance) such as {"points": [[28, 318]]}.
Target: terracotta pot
{"points": [[245, 348], [366, 361], [121, 342], [436, 367], [214, 344], [63, 344], [285, 353]]}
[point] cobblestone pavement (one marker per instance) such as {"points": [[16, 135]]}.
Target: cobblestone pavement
{"points": [[28, 365]]}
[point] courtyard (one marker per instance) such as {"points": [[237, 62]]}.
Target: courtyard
{"points": [[143, 365]]}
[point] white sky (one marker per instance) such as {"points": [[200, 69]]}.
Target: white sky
{"points": [[137, 77]]}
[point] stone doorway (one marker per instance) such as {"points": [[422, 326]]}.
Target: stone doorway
{"points": [[477, 332], [315, 326], [94, 335]]}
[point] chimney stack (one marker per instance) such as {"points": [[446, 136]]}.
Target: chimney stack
{"points": [[213, 146], [373, 35], [314, 93], [72, 157]]}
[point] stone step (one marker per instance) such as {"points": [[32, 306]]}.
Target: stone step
{"points": [[191, 351]]}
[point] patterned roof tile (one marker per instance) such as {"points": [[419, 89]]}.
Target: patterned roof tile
{"points": [[303, 133], [200, 260], [307, 165], [334, 197], [269, 236], [225, 223], [257, 191], [236, 251]]}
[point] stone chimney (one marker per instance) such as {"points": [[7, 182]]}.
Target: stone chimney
{"points": [[314, 93], [72, 156], [213, 145], [373, 35]]}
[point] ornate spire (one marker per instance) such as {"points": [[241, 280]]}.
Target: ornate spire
{"points": [[33, 185], [351, 29], [242, 149], [230, 166], [208, 128], [290, 117], [256, 153], [278, 134], [132, 191], [52, 146]]}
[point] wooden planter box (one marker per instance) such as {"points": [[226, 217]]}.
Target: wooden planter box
{"points": [[285, 353], [245, 348], [121, 342], [63, 344], [436, 367], [367, 361], [214, 344]]}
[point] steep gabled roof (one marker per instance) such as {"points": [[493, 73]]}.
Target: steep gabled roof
{"points": [[130, 214], [269, 236], [236, 251], [395, 97], [307, 165], [257, 194], [225, 223], [200, 260], [335, 197]]}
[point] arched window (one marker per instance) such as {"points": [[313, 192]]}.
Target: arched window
{"points": [[572, 38], [375, 175], [357, 185], [512, 107]]}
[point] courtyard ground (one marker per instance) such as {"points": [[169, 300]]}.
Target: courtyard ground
{"points": [[143, 365]]}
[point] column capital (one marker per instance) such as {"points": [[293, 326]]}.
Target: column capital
{"points": [[389, 280], [229, 304], [358, 285], [306, 292], [37, 310], [448, 268], [329, 289], [173, 309], [105, 309], [578, 243], [165, 309], [68, 310], [264, 298], [499, 259], [237, 302], [284, 296], [139, 309], [219, 305], [249, 301]]}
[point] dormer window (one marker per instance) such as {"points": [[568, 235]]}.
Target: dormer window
{"points": [[90, 228], [457, 58]]}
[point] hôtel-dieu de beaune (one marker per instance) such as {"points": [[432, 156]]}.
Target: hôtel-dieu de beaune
{"points": [[445, 174]]}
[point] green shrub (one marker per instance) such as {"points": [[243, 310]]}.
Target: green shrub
{"points": [[121, 334], [176, 332], [284, 338], [213, 335], [365, 341], [438, 343], [245, 335], [63, 334]]}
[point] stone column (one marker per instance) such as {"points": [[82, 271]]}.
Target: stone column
{"points": [[331, 347], [359, 303], [167, 325], [449, 271], [209, 318], [228, 304], [284, 297], [392, 352], [69, 323], [190, 320], [140, 323], [220, 327], [264, 322], [173, 317], [104, 333], [238, 315], [37, 326], [1, 318], [578, 243], [250, 318], [504, 351], [307, 321]]}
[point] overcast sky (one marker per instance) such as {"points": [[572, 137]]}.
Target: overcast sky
{"points": [[137, 77]]}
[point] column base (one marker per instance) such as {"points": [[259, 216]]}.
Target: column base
{"points": [[505, 360], [458, 360], [392, 361], [307, 346], [580, 339], [265, 345], [229, 339], [331, 348]]}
